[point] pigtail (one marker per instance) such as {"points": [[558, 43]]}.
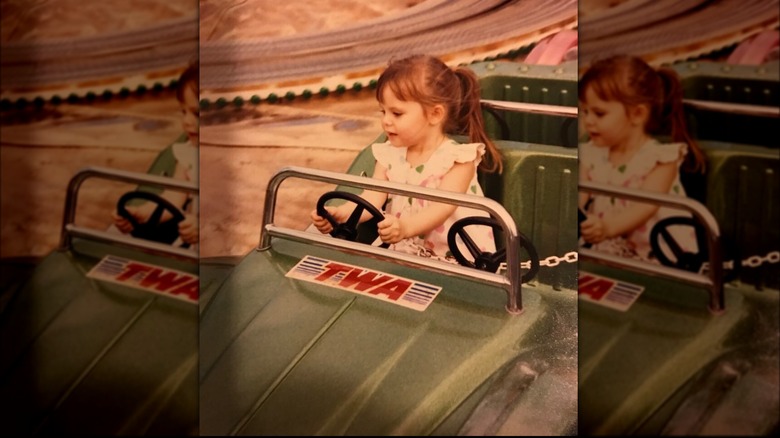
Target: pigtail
{"points": [[673, 120], [470, 122], [190, 77]]}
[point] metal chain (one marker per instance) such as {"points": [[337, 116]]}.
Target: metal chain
{"points": [[753, 261], [569, 257]]}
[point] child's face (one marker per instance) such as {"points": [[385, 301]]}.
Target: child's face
{"points": [[404, 122], [190, 112], [606, 121]]}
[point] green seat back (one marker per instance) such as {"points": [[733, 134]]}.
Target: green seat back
{"points": [[742, 194], [539, 84], [742, 84], [538, 187]]}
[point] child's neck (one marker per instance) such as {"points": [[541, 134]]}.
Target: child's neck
{"points": [[421, 152], [622, 153]]}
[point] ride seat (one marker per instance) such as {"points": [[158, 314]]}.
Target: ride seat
{"points": [[538, 187], [538, 84], [742, 194], [738, 84]]}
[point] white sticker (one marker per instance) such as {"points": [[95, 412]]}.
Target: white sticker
{"points": [[152, 278], [607, 292], [382, 286]]}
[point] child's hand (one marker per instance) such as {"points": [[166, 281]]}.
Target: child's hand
{"points": [[391, 230], [121, 223], [188, 229], [140, 213], [593, 230], [340, 214]]}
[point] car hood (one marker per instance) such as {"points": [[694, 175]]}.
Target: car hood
{"points": [[87, 356], [633, 362], [284, 356]]}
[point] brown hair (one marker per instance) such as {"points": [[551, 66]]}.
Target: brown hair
{"points": [[189, 78], [631, 81], [429, 81]]}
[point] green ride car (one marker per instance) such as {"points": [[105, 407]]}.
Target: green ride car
{"points": [[691, 346], [101, 336], [308, 334]]}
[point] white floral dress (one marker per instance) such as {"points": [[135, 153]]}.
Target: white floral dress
{"points": [[597, 168], [186, 155], [434, 244]]}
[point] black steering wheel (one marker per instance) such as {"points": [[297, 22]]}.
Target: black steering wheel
{"points": [[684, 259], [153, 229], [487, 261], [349, 229], [581, 217]]}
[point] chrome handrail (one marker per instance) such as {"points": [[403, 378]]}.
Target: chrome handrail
{"points": [[534, 108], [715, 281], [511, 283], [734, 108], [572, 112], [68, 226]]}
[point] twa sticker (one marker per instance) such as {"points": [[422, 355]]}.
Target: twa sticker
{"points": [[151, 278], [607, 292], [386, 287]]}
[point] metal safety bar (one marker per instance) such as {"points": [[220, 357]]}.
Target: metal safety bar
{"points": [[69, 229], [734, 108], [535, 108], [715, 281], [572, 112], [510, 283]]}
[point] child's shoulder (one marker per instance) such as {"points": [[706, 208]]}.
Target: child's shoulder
{"points": [[185, 152], [386, 153], [461, 152], [590, 153], [656, 151]]}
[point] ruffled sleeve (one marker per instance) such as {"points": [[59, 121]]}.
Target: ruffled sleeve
{"points": [[451, 152], [669, 152], [386, 154], [592, 157], [187, 157], [655, 153]]}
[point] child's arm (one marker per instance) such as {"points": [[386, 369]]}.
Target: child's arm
{"points": [[582, 197], [377, 199], [659, 180], [393, 230]]}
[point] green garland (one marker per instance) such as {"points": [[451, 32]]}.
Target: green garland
{"points": [[357, 87], [89, 97], [205, 104]]}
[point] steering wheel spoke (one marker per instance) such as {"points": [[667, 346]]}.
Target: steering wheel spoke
{"points": [[487, 261], [469, 242], [499, 256], [349, 229], [690, 261], [354, 218], [154, 228]]}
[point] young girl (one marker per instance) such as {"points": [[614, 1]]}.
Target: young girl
{"points": [[179, 160], [422, 101], [624, 104]]}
